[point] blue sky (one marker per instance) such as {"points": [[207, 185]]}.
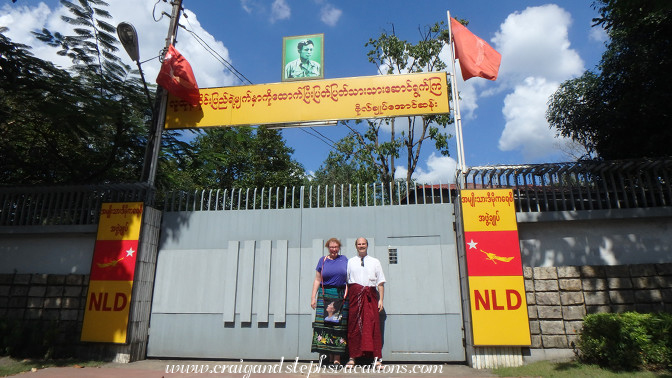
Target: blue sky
{"points": [[542, 44]]}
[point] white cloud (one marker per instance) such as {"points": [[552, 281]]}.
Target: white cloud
{"points": [[526, 128], [440, 169], [536, 57], [246, 5], [535, 42], [330, 15], [21, 20], [598, 34], [280, 10]]}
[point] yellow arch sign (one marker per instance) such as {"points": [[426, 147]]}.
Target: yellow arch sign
{"points": [[314, 100]]}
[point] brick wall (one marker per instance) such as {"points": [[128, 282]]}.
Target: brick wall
{"points": [[559, 297], [57, 301]]}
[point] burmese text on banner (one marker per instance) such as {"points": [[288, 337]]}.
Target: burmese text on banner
{"points": [[317, 100]]}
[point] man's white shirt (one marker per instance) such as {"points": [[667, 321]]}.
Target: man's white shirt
{"points": [[371, 274]]}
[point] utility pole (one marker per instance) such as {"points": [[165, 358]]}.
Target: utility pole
{"points": [[159, 116]]}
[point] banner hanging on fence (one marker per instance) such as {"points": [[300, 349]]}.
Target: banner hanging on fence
{"points": [[494, 268], [108, 300], [318, 100]]}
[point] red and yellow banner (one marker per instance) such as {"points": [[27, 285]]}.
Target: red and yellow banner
{"points": [[317, 100], [494, 268], [499, 311], [108, 300]]}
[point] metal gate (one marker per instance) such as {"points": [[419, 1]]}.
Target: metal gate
{"points": [[235, 273]]}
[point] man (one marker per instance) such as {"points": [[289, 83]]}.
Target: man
{"points": [[364, 275], [303, 66]]}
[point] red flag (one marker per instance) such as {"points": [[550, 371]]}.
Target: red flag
{"points": [[177, 77], [476, 57]]}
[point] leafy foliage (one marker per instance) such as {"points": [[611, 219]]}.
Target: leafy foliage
{"points": [[60, 127], [90, 124], [627, 341], [623, 110], [238, 157], [346, 164], [393, 55]]}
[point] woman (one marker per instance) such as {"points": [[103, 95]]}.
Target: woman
{"points": [[329, 337]]}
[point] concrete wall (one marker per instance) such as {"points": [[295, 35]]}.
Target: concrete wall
{"points": [[597, 237], [47, 249]]}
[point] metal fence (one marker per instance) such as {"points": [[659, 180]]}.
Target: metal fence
{"points": [[584, 185], [66, 205], [323, 196], [539, 187]]}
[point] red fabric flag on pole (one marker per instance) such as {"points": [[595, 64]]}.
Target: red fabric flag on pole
{"points": [[177, 77], [476, 57]]}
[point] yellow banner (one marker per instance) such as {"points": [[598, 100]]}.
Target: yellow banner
{"points": [[120, 221], [488, 210], [106, 313], [499, 311], [315, 100]]}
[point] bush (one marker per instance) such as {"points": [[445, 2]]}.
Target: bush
{"points": [[627, 341]]}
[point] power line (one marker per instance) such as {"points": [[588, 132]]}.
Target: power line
{"points": [[324, 136], [324, 139], [214, 53]]}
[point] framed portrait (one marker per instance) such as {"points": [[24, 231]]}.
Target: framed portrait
{"points": [[303, 57]]}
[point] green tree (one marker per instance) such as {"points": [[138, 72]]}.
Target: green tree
{"points": [[346, 164], [622, 111], [240, 157], [89, 124], [393, 55], [84, 125]]}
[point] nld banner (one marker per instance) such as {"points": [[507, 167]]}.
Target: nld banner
{"points": [[108, 300], [494, 268]]}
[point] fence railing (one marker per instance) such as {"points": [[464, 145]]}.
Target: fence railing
{"points": [[537, 188], [323, 196], [585, 185], [66, 205]]}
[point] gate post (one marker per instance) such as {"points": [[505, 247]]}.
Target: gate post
{"points": [[143, 285]]}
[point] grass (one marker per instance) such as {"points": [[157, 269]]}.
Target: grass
{"points": [[572, 369], [11, 366]]}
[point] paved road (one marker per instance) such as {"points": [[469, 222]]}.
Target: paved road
{"points": [[171, 369]]}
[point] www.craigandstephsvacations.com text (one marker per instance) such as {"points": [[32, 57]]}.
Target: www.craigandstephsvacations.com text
{"points": [[246, 370]]}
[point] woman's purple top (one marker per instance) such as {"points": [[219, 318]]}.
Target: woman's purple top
{"points": [[334, 272]]}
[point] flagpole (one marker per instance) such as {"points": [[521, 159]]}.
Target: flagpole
{"points": [[456, 105], [159, 117]]}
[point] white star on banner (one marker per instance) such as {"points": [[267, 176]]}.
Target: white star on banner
{"points": [[472, 244], [130, 252]]}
